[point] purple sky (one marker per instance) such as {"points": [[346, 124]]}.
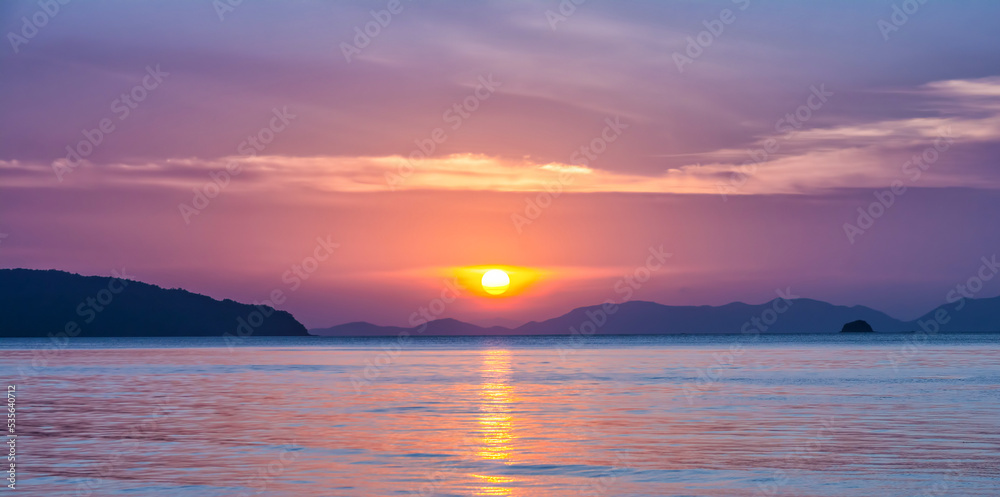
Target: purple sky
{"points": [[666, 158]]}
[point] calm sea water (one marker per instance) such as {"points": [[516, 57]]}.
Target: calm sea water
{"points": [[860, 415]]}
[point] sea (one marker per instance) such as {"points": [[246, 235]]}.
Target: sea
{"points": [[723, 415]]}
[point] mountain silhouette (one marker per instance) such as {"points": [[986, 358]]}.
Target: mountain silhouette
{"points": [[40, 303], [971, 315], [799, 315], [37, 303], [438, 327]]}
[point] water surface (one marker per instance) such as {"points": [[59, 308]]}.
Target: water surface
{"points": [[827, 416]]}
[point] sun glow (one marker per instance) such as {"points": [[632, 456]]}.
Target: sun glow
{"points": [[495, 281]]}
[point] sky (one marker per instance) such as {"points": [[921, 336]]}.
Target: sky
{"points": [[357, 157]]}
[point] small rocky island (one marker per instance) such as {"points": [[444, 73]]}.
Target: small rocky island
{"points": [[857, 326]]}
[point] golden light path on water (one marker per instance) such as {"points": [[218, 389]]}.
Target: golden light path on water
{"points": [[496, 421]]}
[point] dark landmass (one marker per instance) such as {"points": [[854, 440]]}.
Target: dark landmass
{"points": [[36, 303], [859, 326], [969, 315], [650, 318], [438, 327]]}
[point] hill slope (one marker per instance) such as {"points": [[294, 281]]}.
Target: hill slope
{"points": [[35, 303], [970, 315]]}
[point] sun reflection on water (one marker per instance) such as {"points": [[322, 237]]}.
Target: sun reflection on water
{"points": [[495, 420]]}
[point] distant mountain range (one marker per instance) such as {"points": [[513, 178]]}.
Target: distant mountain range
{"points": [[649, 318], [39, 303], [36, 303]]}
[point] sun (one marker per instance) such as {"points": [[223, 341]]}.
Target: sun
{"points": [[496, 281]]}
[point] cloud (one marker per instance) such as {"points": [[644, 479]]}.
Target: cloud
{"points": [[874, 153], [803, 160], [355, 174]]}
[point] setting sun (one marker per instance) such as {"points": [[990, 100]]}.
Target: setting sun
{"points": [[495, 281]]}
